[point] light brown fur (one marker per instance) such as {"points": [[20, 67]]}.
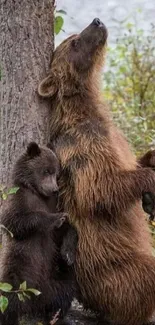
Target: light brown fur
{"points": [[100, 184]]}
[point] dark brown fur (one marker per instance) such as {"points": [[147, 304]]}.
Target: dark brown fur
{"points": [[148, 198], [33, 254], [101, 185], [148, 160]]}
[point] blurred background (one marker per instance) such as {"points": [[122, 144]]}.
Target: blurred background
{"points": [[129, 76]]}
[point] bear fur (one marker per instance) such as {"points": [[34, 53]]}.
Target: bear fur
{"points": [[148, 160], [33, 254], [148, 198], [101, 184]]}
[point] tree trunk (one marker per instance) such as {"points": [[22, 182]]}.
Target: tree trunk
{"points": [[26, 44]]}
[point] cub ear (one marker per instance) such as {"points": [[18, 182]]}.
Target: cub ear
{"points": [[33, 150], [48, 86]]}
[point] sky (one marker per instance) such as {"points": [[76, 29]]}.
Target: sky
{"points": [[81, 12]]}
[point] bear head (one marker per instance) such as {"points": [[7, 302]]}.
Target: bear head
{"points": [[37, 169], [76, 62]]}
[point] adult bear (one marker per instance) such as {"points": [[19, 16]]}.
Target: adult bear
{"points": [[100, 184]]}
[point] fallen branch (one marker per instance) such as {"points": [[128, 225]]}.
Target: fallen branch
{"points": [[55, 318]]}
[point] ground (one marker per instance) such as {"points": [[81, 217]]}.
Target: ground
{"points": [[76, 316]]}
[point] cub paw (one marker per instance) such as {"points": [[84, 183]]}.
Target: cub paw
{"points": [[60, 221], [64, 214]]}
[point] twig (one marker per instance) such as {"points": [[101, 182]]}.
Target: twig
{"points": [[55, 318]]}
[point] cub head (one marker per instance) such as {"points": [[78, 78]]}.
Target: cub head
{"points": [[37, 169], [76, 61]]}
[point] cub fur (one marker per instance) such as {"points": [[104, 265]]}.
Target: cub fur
{"points": [[33, 254]]}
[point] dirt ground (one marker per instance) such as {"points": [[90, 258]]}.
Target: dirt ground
{"points": [[76, 316]]}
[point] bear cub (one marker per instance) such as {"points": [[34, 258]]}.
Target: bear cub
{"points": [[34, 253]]}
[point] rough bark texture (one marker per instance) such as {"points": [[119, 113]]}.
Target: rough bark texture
{"points": [[26, 43]]}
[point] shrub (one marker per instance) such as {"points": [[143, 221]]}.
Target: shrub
{"points": [[129, 85]]}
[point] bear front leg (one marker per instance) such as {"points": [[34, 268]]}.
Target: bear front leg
{"points": [[32, 222], [134, 184], [148, 160]]}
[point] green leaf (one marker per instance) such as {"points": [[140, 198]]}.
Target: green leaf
{"points": [[6, 287], [36, 292], [3, 303], [13, 190], [4, 196], [23, 286], [61, 11], [58, 23], [21, 297], [26, 295], [129, 25], [139, 10], [7, 230], [122, 69]]}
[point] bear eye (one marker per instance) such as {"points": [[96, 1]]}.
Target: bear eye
{"points": [[75, 43]]}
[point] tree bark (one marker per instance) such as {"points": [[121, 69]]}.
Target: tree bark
{"points": [[26, 44]]}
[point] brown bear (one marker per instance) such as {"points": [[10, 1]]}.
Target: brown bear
{"points": [[101, 184], [33, 254]]}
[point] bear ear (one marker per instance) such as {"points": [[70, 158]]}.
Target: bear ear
{"points": [[48, 86], [33, 150]]}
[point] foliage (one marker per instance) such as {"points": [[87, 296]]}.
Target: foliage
{"points": [[129, 85], [58, 21], [23, 293], [129, 88], [4, 192]]}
